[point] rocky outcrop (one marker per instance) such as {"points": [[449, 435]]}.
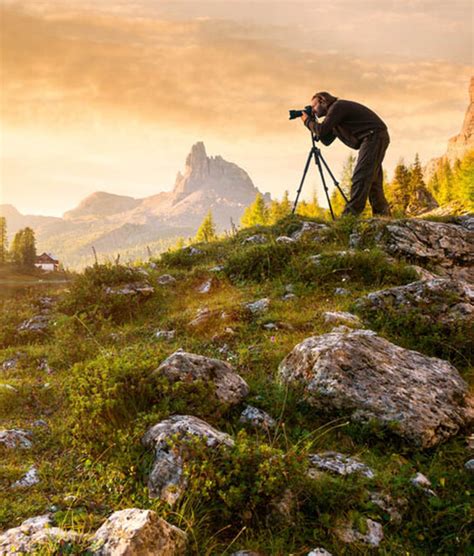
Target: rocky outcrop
{"points": [[135, 532], [447, 247], [228, 386], [169, 439], [340, 464], [311, 231], [422, 399], [33, 534], [136, 288], [439, 301], [372, 534], [37, 324]]}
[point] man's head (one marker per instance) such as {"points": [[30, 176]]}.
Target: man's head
{"points": [[321, 102]]}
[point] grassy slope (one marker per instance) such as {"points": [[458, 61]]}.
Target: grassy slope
{"points": [[100, 400]]}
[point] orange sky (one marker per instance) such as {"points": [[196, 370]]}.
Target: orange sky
{"points": [[110, 95]]}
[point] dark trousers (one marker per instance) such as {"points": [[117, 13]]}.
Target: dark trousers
{"points": [[367, 179]]}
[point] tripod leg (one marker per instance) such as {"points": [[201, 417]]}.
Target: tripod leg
{"points": [[336, 183], [302, 180], [317, 156]]}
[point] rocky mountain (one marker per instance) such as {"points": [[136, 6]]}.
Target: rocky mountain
{"points": [[461, 143], [114, 223]]}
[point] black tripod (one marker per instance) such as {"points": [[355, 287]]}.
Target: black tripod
{"points": [[318, 158]]}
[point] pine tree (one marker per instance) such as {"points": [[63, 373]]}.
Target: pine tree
{"points": [[256, 213], [279, 209], [207, 230], [446, 183], [3, 240], [311, 209], [398, 193], [464, 181]]}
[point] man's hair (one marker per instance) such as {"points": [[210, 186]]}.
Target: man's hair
{"points": [[323, 95]]}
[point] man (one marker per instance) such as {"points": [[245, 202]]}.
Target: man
{"points": [[360, 128]]}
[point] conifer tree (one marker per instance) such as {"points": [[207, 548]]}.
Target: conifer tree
{"points": [[279, 209], [3, 240], [399, 191], [207, 229], [256, 213]]}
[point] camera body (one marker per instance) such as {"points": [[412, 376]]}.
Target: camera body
{"points": [[298, 113]]}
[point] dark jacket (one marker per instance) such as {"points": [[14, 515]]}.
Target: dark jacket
{"points": [[348, 121]]}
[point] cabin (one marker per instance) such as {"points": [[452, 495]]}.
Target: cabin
{"points": [[47, 262]]}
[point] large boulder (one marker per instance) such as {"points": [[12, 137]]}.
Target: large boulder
{"points": [[34, 536], [135, 532], [229, 387], [312, 231], [423, 399], [447, 247], [440, 300], [169, 439]]}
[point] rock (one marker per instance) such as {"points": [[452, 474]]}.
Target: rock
{"points": [[316, 259], [205, 287], [423, 483], [340, 464], [165, 334], [30, 478], [373, 535], [37, 325], [424, 274], [342, 317], [165, 279], [422, 399], [259, 306], [289, 296], [257, 238], [469, 465], [134, 288], [319, 552], [168, 439], [31, 535], [12, 362], [270, 326], [440, 301], [341, 291], [39, 423], [135, 532], [218, 268], [44, 366], [15, 438], [229, 387], [246, 553], [312, 231], [448, 247], [257, 418], [285, 239], [385, 502], [342, 329], [203, 314]]}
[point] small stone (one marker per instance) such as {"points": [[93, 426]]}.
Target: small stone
{"points": [[30, 478], [165, 334], [311, 230], [387, 504], [270, 326], [165, 279], [319, 552], [469, 465], [37, 324], [341, 291], [39, 423], [217, 268], [423, 483], [316, 259], [203, 314], [373, 536], [259, 306], [342, 317], [135, 532], [285, 239], [205, 287], [257, 418], [15, 438], [289, 296], [257, 238], [340, 464]]}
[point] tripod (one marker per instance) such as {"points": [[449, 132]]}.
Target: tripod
{"points": [[318, 158]]}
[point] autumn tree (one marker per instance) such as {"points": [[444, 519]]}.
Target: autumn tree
{"points": [[207, 229], [255, 214], [3, 240], [23, 249]]}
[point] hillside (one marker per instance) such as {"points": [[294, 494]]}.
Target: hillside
{"points": [[303, 388], [119, 223]]}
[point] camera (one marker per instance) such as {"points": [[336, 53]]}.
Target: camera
{"points": [[298, 113]]}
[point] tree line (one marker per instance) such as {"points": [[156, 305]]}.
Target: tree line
{"points": [[22, 252]]}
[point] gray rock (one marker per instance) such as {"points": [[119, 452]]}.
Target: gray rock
{"points": [[469, 465], [11, 363], [257, 238], [442, 301], [319, 552], [312, 231], [316, 259], [29, 479], [394, 508], [203, 315], [423, 483], [134, 288], [341, 291], [15, 438], [135, 532], [165, 279], [193, 251], [340, 464], [342, 317], [168, 439], [285, 239], [373, 535], [44, 366], [229, 387], [270, 326], [448, 247], [165, 334], [257, 418], [205, 287], [259, 306], [423, 399], [33, 534], [37, 325], [217, 268]]}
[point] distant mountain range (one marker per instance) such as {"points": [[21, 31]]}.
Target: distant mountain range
{"points": [[119, 224]]}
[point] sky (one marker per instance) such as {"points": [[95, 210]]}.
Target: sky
{"points": [[110, 95]]}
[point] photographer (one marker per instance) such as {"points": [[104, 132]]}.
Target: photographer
{"points": [[360, 128]]}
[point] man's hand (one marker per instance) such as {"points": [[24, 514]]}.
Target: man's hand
{"points": [[304, 117]]}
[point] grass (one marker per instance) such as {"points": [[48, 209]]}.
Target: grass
{"points": [[102, 397]]}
